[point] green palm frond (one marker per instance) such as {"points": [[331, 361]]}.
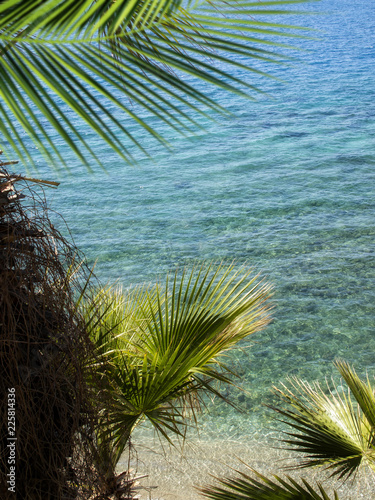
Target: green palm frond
{"points": [[363, 392], [61, 59], [333, 431], [161, 347], [85, 17], [245, 487], [217, 305]]}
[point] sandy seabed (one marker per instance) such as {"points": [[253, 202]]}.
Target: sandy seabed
{"points": [[173, 474]]}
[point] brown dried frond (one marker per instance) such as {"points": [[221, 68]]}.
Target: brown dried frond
{"points": [[44, 353]]}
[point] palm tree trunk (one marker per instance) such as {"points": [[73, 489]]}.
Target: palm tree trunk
{"points": [[43, 352]]}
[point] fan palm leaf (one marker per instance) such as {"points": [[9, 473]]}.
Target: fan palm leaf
{"points": [[162, 346], [363, 392], [246, 487], [335, 430], [61, 59]]}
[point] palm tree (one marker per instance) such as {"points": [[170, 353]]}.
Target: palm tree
{"points": [[44, 395], [68, 67], [72, 67], [335, 431], [158, 349]]}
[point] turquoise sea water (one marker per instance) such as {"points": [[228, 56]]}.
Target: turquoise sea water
{"points": [[286, 185]]}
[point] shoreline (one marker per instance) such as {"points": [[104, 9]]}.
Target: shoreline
{"points": [[173, 473]]}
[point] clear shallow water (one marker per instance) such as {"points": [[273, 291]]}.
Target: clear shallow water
{"points": [[286, 185]]}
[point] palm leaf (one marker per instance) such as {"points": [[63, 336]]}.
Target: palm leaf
{"points": [[67, 17], [161, 347], [333, 432], [245, 487], [202, 313], [61, 59], [362, 392]]}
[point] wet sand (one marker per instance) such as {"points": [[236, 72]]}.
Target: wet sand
{"points": [[173, 474]]}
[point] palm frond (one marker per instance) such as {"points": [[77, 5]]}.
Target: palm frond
{"points": [[161, 347], [61, 59], [201, 313], [332, 430], [68, 17], [363, 392], [246, 487]]}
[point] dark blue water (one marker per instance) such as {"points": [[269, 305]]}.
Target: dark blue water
{"points": [[286, 185]]}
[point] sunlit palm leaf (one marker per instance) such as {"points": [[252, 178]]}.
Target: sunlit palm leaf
{"points": [[88, 18], [333, 430], [363, 392], [245, 487], [112, 320], [164, 345], [61, 59], [67, 17]]}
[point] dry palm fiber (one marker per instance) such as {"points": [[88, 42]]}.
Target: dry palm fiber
{"points": [[44, 353]]}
